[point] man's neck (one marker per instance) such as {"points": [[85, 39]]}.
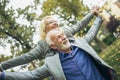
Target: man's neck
{"points": [[66, 50]]}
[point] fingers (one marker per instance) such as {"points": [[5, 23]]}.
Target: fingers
{"points": [[1, 69], [95, 10]]}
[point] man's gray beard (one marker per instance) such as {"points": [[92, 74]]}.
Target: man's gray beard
{"points": [[65, 46]]}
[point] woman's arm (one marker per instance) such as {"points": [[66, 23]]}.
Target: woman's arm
{"points": [[79, 25]]}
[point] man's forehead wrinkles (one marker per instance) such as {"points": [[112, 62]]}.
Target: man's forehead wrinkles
{"points": [[55, 35]]}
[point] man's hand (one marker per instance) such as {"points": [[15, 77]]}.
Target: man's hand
{"points": [[103, 14], [1, 69], [0, 74]]}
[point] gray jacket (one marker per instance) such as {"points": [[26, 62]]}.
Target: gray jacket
{"points": [[40, 51], [52, 66]]}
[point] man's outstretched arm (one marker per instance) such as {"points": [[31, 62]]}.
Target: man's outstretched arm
{"points": [[36, 74]]}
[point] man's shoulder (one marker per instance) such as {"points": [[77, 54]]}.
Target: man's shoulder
{"points": [[79, 40], [42, 43]]}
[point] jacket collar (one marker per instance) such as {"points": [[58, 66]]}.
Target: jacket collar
{"points": [[53, 62]]}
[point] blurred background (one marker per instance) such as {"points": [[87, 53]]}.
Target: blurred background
{"points": [[20, 20]]}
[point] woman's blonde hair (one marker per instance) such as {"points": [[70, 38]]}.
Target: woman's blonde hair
{"points": [[42, 27]]}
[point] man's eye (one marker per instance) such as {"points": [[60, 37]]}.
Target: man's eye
{"points": [[58, 37]]}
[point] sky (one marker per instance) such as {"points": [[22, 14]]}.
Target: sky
{"points": [[91, 3], [21, 4]]}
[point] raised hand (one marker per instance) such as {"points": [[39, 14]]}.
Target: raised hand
{"points": [[95, 10], [1, 69]]}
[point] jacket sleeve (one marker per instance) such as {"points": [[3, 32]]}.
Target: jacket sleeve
{"points": [[36, 74], [36, 53], [79, 25], [93, 30]]}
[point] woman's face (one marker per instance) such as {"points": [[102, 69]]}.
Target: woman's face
{"points": [[50, 24]]}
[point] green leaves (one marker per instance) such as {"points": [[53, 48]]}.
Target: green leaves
{"points": [[18, 36], [112, 56], [69, 10]]}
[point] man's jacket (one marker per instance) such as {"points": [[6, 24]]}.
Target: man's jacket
{"points": [[52, 66]]}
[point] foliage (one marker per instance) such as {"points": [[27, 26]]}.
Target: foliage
{"points": [[109, 39], [112, 56], [20, 36], [68, 10]]}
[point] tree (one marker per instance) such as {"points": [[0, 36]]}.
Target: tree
{"points": [[68, 10], [19, 36], [112, 56]]}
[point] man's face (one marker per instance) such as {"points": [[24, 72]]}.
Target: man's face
{"points": [[60, 40], [50, 24]]}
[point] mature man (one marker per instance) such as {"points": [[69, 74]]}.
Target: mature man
{"points": [[80, 63], [42, 48]]}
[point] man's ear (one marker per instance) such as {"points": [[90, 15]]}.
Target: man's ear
{"points": [[53, 46]]}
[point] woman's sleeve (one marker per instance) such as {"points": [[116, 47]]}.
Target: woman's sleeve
{"points": [[36, 53], [79, 25]]}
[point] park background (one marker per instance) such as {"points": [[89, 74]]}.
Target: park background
{"points": [[19, 28]]}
